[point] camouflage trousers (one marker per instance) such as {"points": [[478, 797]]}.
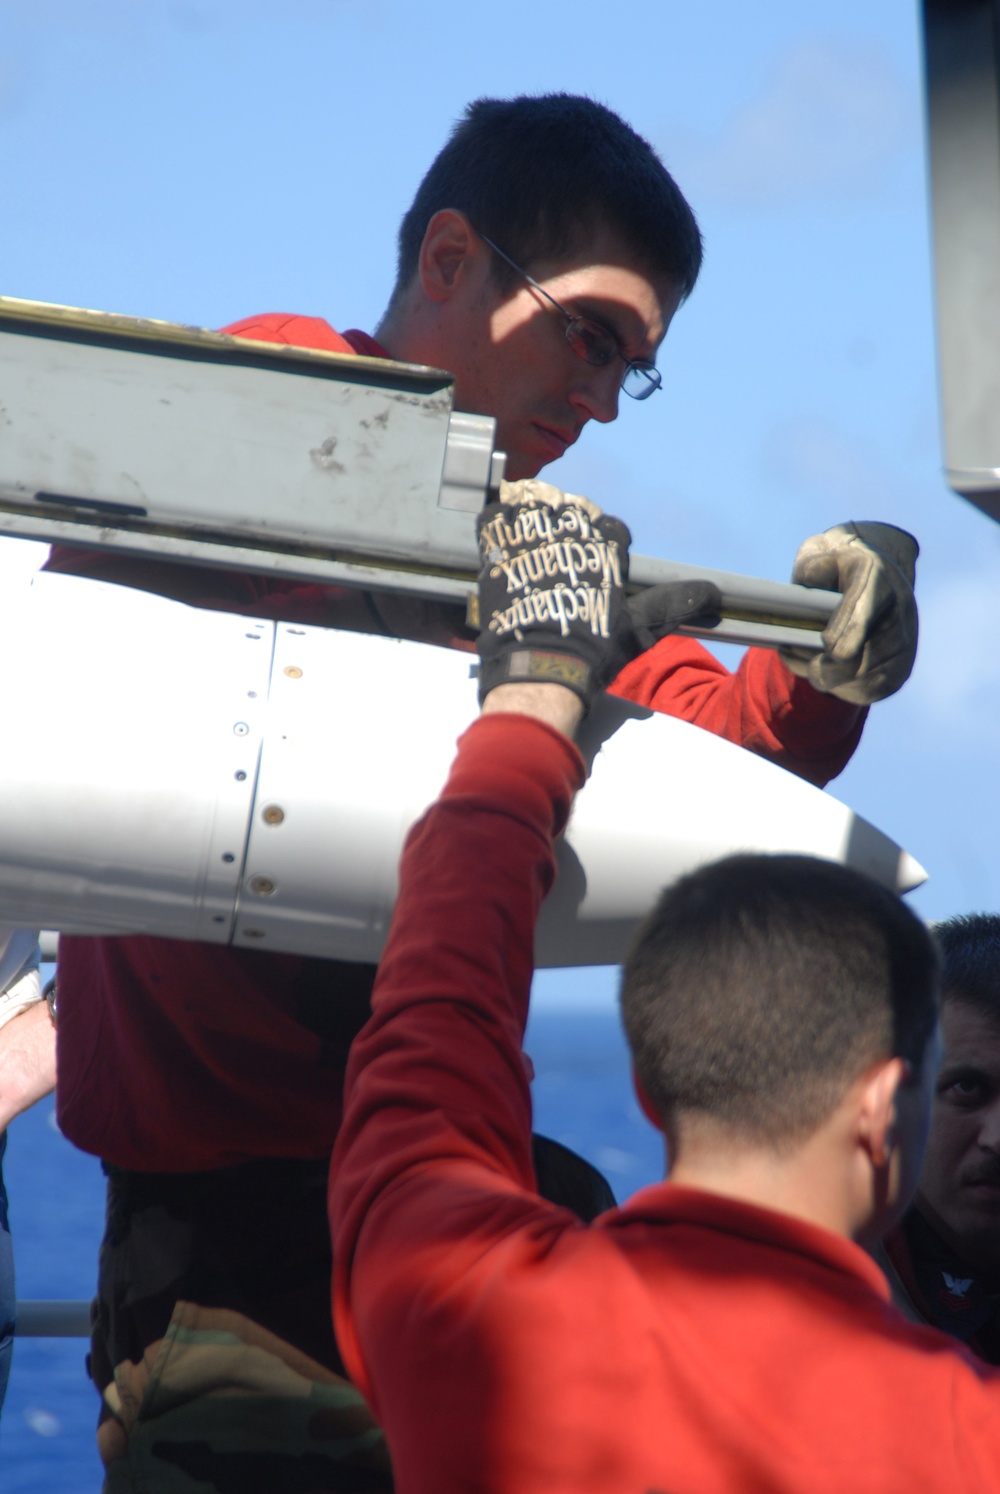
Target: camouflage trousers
{"points": [[211, 1339]]}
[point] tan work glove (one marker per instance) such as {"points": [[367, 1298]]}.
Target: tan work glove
{"points": [[870, 642]]}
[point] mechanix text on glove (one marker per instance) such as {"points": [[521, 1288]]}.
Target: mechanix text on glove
{"points": [[551, 596]]}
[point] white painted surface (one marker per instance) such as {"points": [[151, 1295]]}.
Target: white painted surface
{"points": [[124, 808]]}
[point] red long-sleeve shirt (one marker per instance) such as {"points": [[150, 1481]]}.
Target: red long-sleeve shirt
{"points": [[176, 1056], [684, 1344]]}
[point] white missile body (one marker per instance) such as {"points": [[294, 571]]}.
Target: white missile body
{"points": [[199, 775]]}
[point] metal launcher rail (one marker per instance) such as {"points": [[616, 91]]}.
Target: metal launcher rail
{"points": [[179, 444]]}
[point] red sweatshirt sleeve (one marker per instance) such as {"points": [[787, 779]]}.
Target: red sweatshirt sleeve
{"points": [[761, 706], [432, 1166]]}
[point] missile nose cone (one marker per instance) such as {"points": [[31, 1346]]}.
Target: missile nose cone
{"points": [[909, 873]]}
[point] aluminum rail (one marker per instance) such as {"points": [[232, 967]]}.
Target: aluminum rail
{"points": [[188, 446], [52, 1319], [769, 614]]}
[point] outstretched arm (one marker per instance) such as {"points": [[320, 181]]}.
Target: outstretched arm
{"points": [[27, 1061], [432, 1165], [761, 706], [432, 1172], [552, 704], [27, 1036]]}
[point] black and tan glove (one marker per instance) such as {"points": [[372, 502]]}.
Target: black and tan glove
{"points": [[551, 596], [870, 642], [552, 606]]}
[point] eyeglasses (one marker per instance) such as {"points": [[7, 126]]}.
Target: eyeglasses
{"points": [[592, 342]]}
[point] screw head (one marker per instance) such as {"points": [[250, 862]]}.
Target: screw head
{"points": [[262, 886], [293, 671], [272, 814]]}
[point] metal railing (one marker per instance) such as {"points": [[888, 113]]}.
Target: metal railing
{"points": [[52, 1319]]}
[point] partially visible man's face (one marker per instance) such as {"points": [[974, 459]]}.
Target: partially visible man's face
{"points": [[914, 1109], [511, 359], [959, 1190]]}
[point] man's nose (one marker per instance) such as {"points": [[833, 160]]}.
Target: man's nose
{"points": [[989, 1126], [595, 393]]}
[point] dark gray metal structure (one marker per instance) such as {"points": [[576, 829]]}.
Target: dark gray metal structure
{"points": [[962, 57]]}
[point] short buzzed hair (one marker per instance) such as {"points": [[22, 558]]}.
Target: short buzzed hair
{"points": [[970, 951], [536, 174], [762, 986]]}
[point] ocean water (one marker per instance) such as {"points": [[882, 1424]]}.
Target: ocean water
{"points": [[56, 1215], [582, 1097], [582, 1093]]}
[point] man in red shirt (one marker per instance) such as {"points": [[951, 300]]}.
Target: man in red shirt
{"points": [[724, 1330], [541, 262]]}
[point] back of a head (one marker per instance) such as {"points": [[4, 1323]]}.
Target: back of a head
{"points": [[534, 174], [761, 987], [970, 961]]}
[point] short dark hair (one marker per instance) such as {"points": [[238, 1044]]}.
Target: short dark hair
{"points": [[762, 986], [970, 960], [534, 174]]}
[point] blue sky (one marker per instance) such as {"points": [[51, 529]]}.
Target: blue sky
{"points": [[201, 160]]}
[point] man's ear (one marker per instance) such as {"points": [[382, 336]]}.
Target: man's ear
{"points": [[645, 1103], [451, 248], [876, 1116]]}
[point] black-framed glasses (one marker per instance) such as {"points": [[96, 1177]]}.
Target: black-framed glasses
{"points": [[592, 342]]}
